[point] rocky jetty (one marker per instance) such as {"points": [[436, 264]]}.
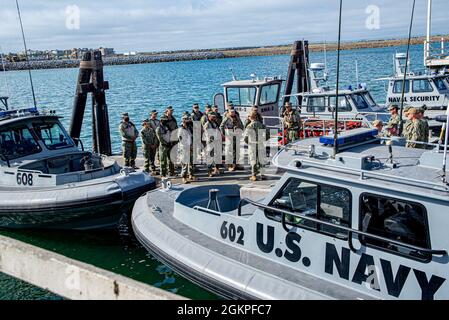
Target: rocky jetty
{"points": [[110, 61]]}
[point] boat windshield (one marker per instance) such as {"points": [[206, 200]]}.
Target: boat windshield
{"points": [[17, 142], [53, 136], [440, 84], [363, 102], [243, 96]]}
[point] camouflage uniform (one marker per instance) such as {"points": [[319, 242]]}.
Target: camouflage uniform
{"points": [[185, 149], [394, 121], [293, 124], [259, 118], [154, 123], [129, 135], [196, 116], [415, 131], [172, 125], [149, 147], [229, 128], [163, 135], [251, 133], [211, 127]]}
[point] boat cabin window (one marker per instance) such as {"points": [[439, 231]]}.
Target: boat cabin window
{"points": [[440, 84], [52, 135], [395, 219], [269, 94], [241, 96], [316, 104], [397, 87], [17, 143], [343, 103], [422, 85], [323, 202], [360, 101]]}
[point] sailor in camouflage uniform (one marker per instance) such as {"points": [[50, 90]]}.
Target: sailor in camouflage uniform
{"points": [[172, 125], [415, 130], [129, 134], [185, 149], [395, 120], [232, 129], [196, 114], [252, 138], [421, 116], [149, 146], [211, 133], [254, 109], [205, 116], [154, 123], [165, 145], [292, 123], [217, 112]]}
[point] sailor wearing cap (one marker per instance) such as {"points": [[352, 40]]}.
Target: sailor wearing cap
{"points": [[292, 123], [153, 121], [255, 110], [149, 146], [217, 112], [415, 131], [212, 137], [196, 113], [425, 123], [129, 134], [232, 129], [165, 145], [205, 116], [185, 148], [172, 126], [395, 118]]}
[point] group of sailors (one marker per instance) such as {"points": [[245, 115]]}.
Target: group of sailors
{"points": [[415, 129], [160, 136]]}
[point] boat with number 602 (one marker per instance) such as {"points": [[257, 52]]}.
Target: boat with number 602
{"points": [[367, 223]]}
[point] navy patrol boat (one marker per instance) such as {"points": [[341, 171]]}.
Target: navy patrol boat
{"points": [[421, 88], [47, 182], [369, 223]]}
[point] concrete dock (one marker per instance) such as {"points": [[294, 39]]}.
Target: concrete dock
{"points": [[71, 279]]}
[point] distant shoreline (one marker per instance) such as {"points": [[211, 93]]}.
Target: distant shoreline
{"points": [[190, 55]]}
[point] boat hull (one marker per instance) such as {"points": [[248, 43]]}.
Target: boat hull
{"points": [[79, 207], [216, 266]]}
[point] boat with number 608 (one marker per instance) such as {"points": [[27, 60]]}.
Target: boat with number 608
{"points": [[47, 182], [369, 222]]}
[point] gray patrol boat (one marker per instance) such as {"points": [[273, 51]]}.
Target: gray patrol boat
{"points": [[368, 223], [47, 182]]}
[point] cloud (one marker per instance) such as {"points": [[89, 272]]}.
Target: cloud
{"points": [[153, 25]]}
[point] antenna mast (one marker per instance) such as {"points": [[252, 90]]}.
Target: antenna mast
{"points": [[401, 125], [338, 83], [26, 54]]}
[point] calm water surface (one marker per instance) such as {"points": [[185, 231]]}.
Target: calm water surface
{"points": [[138, 89]]}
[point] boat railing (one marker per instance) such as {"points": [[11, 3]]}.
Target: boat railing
{"points": [[351, 231], [363, 174], [205, 210]]}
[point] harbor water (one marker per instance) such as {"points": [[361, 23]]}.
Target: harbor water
{"points": [[138, 89]]}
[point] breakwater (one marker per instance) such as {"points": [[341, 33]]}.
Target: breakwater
{"points": [[110, 61], [208, 54]]}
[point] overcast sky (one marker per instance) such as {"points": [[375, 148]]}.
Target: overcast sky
{"points": [[154, 25]]}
